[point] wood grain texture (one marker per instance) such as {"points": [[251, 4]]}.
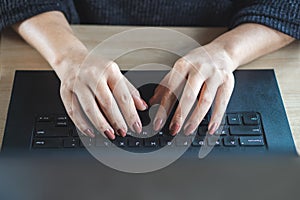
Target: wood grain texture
{"points": [[16, 55]]}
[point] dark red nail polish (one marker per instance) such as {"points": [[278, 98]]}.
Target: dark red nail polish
{"points": [[145, 104], [109, 133], [174, 128], [188, 130], [137, 127], [90, 133], [157, 124], [213, 128], [121, 132]]}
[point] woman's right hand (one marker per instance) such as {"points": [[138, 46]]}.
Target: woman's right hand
{"points": [[96, 94]]}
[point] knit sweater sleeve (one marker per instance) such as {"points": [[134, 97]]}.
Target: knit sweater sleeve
{"points": [[283, 16], [13, 11]]}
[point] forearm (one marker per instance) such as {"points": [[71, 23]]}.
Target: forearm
{"points": [[87, 96], [250, 41], [52, 36]]}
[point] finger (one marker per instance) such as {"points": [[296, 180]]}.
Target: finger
{"points": [[206, 99], [177, 75], [158, 92], [74, 111], [139, 103], [126, 103], [221, 101], [187, 100], [166, 104], [93, 113], [156, 98], [171, 81], [169, 95], [110, 108]]}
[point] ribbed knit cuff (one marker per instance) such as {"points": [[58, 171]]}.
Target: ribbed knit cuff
{"points": [[15, 11], [284, 16]]}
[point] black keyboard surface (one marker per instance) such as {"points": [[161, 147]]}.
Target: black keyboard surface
{"points": [[238, 130]]}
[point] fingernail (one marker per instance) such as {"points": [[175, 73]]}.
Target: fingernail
{"points": [[90, 132], [174, 128], [157, 124], [213, 128], [137, 127], [151, 101], [188, 129], [145, 104], [121, 132], [110, 133]]}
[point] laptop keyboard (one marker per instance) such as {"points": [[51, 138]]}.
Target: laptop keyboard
{"points": [[239, 130]]}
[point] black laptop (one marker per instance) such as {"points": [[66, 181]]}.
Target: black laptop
{"points": [[255, 123], [255, 120]]}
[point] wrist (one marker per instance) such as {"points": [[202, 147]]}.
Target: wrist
{"points": [[68, 59], [225, 53]]}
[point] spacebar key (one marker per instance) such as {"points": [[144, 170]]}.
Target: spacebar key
{"points": [[245, 130]]}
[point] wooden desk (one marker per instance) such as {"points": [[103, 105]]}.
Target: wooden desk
{"points": [[16, 55]]}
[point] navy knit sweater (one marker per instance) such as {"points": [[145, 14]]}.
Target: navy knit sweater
{"points": [[282, 15]]}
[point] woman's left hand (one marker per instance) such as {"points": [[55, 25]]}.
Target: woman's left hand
{"points": [[205, 72]]}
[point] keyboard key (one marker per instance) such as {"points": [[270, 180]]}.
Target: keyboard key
{"points": [[198, 142], [134, 142], [61, 124], [120, 141], [230, 141], [251, 119], [234, 119], [245, 130], [73, 132], [129, 133], [52, 132], [61, 118], [76, 133], [151, 142], [102, 142], [160, 133], [44, 118], [252, 141], [87, 142], [147, 133], [214, 141], [222, 131], [183, 141], [40, 133], [166, 141], [71, 142], [48, 143]]}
